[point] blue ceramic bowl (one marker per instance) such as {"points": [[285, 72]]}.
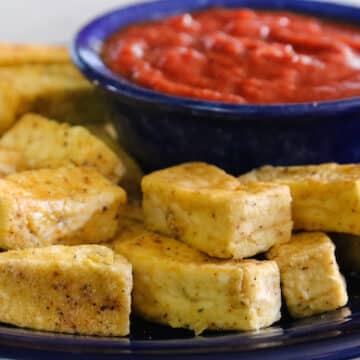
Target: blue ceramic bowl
{"points": [[161, 130]]}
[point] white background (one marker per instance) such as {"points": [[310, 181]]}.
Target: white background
{"points": [[54, 20], [49, 20]]}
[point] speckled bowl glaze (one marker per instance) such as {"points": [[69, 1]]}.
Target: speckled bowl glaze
{"points": [[161, 130]]}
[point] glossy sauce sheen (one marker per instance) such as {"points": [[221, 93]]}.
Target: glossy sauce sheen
{"points": [[240, 56]]}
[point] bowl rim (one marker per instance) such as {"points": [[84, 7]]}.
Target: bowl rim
{"points": [[87, 43]]}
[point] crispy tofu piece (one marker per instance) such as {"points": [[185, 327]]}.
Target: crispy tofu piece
{"points": [[48, 144], [11, 161], [325, 197], [57, 91], [347, 251], [210, 210], [20, 54], [68, 205], [71, 289], [310, 277], [177, 285]]}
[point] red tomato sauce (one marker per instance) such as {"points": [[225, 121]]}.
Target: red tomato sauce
{"points": [[240, 56]]}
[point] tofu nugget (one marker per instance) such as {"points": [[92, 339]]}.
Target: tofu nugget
{"points": [[57, 91], [310, 277], [68, 205], [20, 54], [48, 144], [71, 289], [177, 285], [210, 210], [325, 197]]}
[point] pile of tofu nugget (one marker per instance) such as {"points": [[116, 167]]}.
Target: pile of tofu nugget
{"points": [[85, 245]]}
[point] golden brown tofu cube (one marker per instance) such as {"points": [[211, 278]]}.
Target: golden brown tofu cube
{"points": [[310, 277], [20, 54], [57, 91], [325, 197], [210, 210], [48, 144], [71, 289], [11, 161], [177, 285], [58, 206]]}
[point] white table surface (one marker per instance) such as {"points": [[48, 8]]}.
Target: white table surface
{"points": [[46, 21]]}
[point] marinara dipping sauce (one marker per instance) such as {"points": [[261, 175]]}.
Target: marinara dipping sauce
{"points": [[240, 56]]}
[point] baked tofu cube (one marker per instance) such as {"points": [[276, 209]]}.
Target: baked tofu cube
{"points": [[71, 289], [58, 206], [177, 285], [57, 91], [21, 54], [210, 210], [347, 251], [310, 276], [325, 197], [48, 144], [11, 161]]}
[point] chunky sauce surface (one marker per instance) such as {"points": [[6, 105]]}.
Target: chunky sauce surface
{"points": [[240, 56]]}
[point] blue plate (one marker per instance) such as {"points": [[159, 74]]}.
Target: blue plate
{"points": [[334, 335]]}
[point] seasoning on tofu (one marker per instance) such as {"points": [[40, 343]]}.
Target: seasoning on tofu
{"points": [[128, 229], [325, 197], [210, 210], [178, 285], [71, 289], [310, 277], [48, 144], [69, 205]]}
